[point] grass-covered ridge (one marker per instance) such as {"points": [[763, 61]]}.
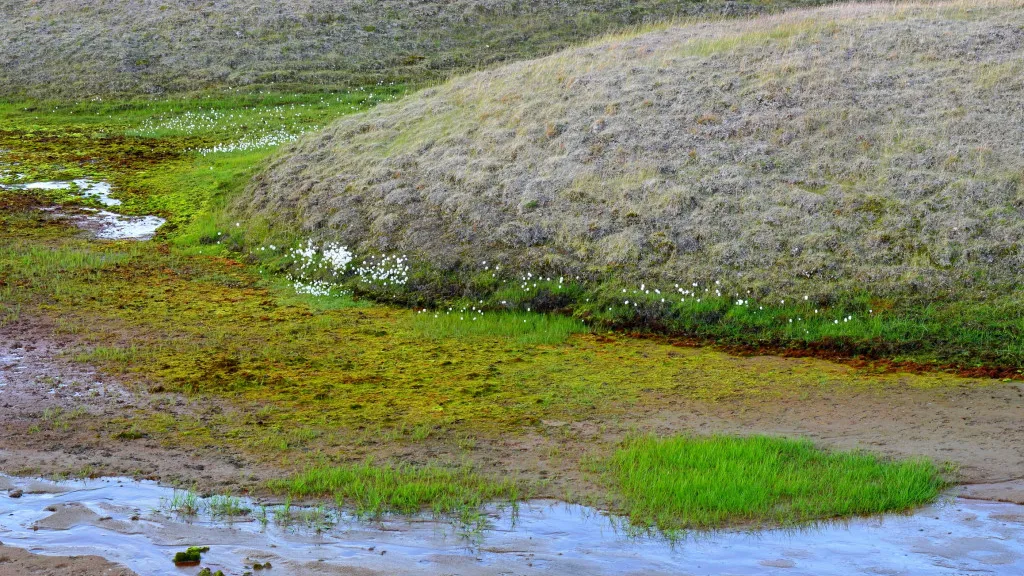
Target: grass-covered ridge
{"points": [[522, 327], [687, 483], [84, 48], [806, 179]]}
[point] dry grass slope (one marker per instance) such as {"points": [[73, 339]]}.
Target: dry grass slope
{"points": [[858, 147], [81, 48]]}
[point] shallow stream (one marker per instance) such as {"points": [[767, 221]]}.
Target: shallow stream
{"points": [[129, 522]]}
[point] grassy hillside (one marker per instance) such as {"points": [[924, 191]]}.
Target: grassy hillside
{"points": [[863, 159], [80, 48]]}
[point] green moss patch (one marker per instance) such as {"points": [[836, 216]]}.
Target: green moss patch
{"points": [[193, 555]]}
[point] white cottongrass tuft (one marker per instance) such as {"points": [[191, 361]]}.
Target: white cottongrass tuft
{"points": [[321, 270]]}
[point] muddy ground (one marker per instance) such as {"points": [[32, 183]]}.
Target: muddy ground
{"points": [[54, 415], [17, 562], [53, 412]]}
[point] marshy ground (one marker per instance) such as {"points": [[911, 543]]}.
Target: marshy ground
{"points": [[204, 359], [542, 537], [61, 416]]}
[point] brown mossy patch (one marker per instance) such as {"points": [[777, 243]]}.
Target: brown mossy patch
{"points": [[89, 150], [22, 218], [826, 350]]}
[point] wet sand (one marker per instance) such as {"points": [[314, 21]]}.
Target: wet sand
{"points": [[18, 562]]}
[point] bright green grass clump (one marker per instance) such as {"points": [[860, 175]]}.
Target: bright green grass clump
{"points": [[525, 328], [682, 483], [374, 490]]}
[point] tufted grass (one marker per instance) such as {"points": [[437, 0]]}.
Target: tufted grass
{"points": [[687, 483], [374, 490]]}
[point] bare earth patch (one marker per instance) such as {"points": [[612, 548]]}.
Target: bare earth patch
{"points": [[18, 562], [52, 412]]}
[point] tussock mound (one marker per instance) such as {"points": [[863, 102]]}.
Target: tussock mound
{"points": [[859, 147]]}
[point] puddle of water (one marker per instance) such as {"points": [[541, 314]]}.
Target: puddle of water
{"points": [[99, 191], [42, 186], [9, 173], [8, 366], [104, 224], [111, 226], [95, 517]]}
